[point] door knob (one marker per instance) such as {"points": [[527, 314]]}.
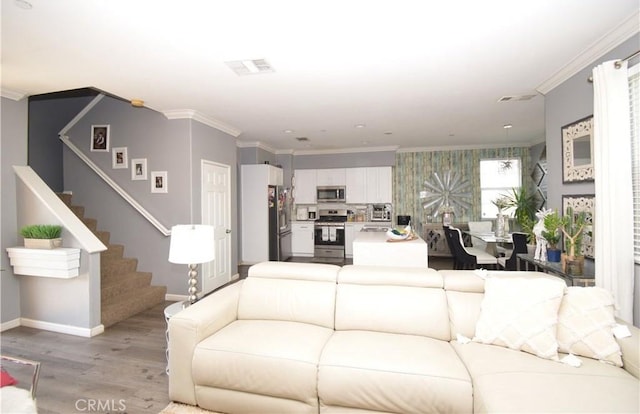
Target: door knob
{"points": [[228, 231]]}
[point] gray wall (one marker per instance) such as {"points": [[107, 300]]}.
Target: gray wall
{"points": [[13, 141], [166, 144], [48, 114], [568, 102]]}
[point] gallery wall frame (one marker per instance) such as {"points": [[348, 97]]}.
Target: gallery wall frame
{"points": [[119, 158], [577, 151], [100, 138], [159, 182], [586, 203], [139, 169]]}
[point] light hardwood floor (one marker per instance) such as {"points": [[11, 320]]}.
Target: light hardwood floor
{"points": [[121, 370]]}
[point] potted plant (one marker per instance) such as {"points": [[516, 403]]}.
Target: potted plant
{"points": [[572, 227], [551, 233], [524, 205], [42, 236]]}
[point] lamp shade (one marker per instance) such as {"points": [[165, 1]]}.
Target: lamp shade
{"points": [[191, 244]]}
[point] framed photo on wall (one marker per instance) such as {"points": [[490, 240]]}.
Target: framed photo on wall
{"points": [[119, 158], [139, 169], [100, 138], [580, 203], [159, 182]]}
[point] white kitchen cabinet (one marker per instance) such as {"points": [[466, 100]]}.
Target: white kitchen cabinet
{"points": [[356, 179], [379, 185], [302, 239], [331, 176], [351, 230], [305, 186]]}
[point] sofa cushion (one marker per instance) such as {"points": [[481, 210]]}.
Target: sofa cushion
{"points": [[288, 291], [585, 322], [510, 381], [397, 300], [392, 373], [521, 313], [273, 358]]}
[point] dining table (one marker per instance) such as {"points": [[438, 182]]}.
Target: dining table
{"points": [[491, 240]]}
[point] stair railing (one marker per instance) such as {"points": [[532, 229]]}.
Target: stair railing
{"points": [[126, 196]]}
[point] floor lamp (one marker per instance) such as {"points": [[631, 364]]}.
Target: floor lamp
{"points": [[191, 244]]}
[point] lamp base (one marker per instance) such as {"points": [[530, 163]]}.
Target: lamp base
{"points": [[193, 284]]}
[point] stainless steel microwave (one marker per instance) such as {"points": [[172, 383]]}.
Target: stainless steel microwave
{"points": [[331, 194]]}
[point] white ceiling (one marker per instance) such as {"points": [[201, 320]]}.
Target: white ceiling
{"points": [[417, 74]]}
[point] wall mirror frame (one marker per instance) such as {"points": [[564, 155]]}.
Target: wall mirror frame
{"points": [[577, 151], [586, 203]]}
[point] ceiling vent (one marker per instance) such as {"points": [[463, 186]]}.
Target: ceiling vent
{"points": [[302, 139], [250, 67], [514, 98]]}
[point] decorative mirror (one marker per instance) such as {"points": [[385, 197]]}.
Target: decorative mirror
{"points": [[577, 151]]}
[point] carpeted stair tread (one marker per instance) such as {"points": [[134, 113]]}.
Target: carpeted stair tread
{"points": [[91, 223], [124, 283], [104, 236], [114, 251], [124, 291], [132, 303], [114, 266]]}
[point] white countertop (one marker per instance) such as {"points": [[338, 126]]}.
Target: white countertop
{"points": [[372, 248]]}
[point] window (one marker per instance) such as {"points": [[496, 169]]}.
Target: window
{"points": [[634, 100], [497, 178]]}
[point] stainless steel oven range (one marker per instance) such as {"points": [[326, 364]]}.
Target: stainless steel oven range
{"points": [[329, 234]]}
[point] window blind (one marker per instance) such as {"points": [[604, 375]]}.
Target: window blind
{"points": [[634, 97]]}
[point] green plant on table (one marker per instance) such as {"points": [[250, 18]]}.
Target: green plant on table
{"points": [[551, 233], [41, 231]]}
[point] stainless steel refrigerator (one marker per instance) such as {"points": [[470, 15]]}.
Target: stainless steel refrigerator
{"points": [[279, 223]]}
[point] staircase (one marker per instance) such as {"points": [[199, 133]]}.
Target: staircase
{"points": [[124, 291]]}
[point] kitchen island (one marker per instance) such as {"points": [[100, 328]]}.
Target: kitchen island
{"points": [[372, 248]]}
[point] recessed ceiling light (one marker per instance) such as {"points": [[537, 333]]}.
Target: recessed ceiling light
{"points": [[23, 4], [360, 125], [288, 131], [507, 126]]}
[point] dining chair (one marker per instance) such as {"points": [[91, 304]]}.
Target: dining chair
{"points": [[519, 246], [479, 227], [467, 257]]}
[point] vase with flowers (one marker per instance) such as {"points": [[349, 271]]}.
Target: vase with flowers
{"points": [[502, 203]]}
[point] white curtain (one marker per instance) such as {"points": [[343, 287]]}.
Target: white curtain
{"points": [[613, 227]]}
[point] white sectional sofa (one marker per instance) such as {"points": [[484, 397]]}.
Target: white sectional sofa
{"points": [[310, 338]]}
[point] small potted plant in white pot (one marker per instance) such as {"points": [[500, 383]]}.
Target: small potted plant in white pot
{"points": [[42, 236]]}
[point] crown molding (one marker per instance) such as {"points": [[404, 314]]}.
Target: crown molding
{"points": [[255, 144], [391, 148], [464, 147], [627, 28], [197, 116], [14, 95]]}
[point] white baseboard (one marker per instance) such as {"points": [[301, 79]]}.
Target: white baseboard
{"points": [[5, 326], [65, 329]]}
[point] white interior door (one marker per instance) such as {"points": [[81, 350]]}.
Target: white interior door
{"points": [[216, 211]]}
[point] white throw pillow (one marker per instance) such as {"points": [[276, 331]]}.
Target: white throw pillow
{"points": [[585, 323], [521, 313]]}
